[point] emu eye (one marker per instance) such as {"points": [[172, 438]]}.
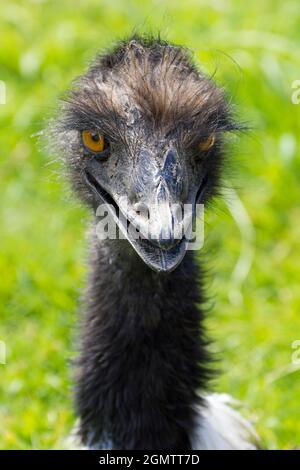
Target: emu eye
{"points": [[206, 144], [94, 141]]}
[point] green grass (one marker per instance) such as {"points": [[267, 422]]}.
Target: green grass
{"points": [[254, 47]]}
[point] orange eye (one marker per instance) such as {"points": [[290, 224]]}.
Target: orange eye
{"points": [[207, 143], [93, 141]]}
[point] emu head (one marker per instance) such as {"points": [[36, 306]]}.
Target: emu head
{"points": [[142, 132]]}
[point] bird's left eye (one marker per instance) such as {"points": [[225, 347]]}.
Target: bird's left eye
{"points": [[206, 144], [94, 141]]}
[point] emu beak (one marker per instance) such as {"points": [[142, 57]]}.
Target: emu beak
{"points": [[159, 238], [158, 214], [161, 243]]}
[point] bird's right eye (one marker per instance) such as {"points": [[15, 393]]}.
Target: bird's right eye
{"points": [[94, 141]]}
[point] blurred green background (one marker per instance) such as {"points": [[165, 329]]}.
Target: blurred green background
{"points": [[255, 49]]}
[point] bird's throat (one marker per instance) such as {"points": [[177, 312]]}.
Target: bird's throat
{"points": [[143, 358]]}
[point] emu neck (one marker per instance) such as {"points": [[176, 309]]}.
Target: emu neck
{"points": [[143, 356]]}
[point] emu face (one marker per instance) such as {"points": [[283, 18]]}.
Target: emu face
{"points": [[142, 132]]}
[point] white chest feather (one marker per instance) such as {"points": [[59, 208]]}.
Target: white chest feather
{"points": [[221, 427]]}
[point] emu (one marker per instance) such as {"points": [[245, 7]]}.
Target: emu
{"points": [[143, 133]]}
